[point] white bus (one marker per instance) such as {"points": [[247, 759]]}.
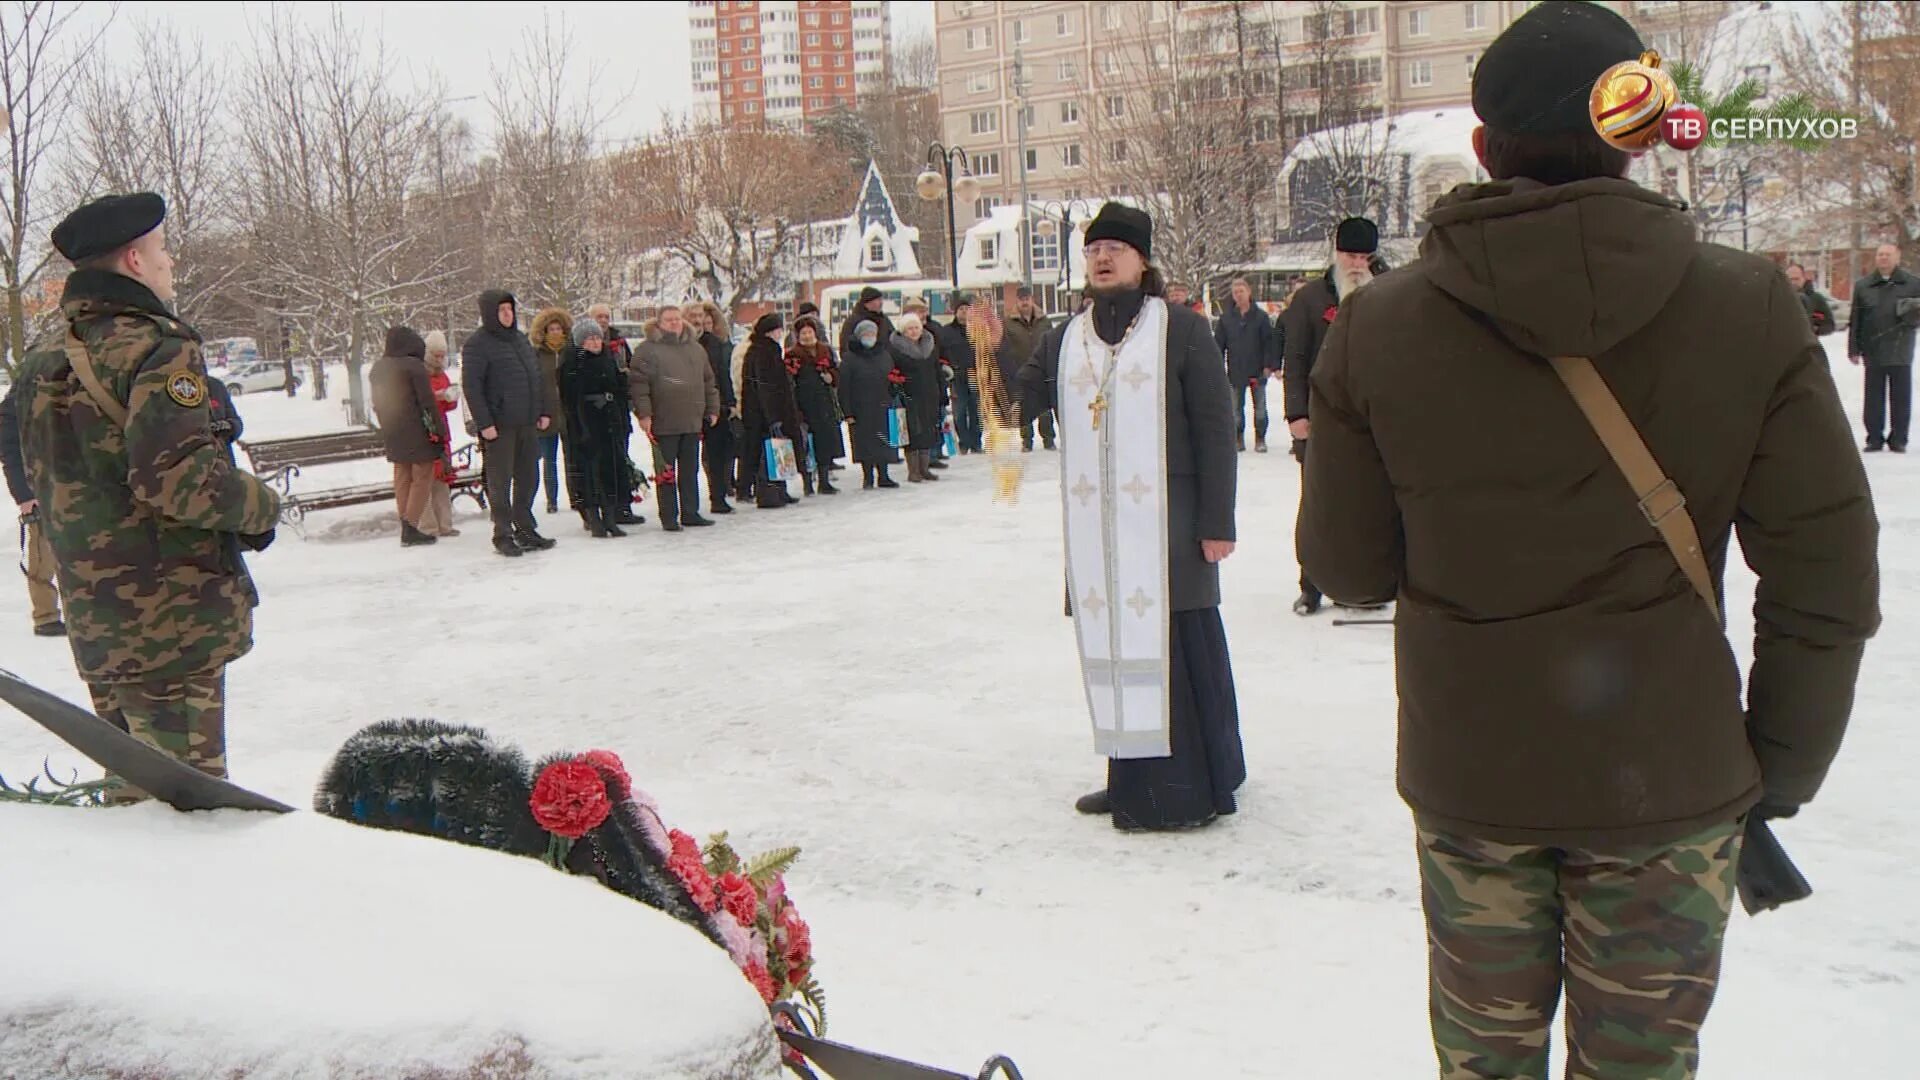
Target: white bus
{"points": [[836, 301]]}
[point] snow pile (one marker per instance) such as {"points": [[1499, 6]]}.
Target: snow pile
{"points": [[145, 942]]}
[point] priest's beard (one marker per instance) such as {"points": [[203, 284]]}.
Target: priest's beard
{"points": [[1351, 281], [1111, 291]]}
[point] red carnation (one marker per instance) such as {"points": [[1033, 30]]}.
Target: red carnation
{"points": [[686, 864], [1332, 311], [897, 377], [570, 799], [610, 761], [762, 980], [736, 892]]}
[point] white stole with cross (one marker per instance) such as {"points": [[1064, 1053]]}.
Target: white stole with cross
{"points": [[1112, 417]]}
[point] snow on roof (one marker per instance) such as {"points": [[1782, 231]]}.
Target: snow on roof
{"points": [[1002, 227], [1424, 134], [302, 946]]}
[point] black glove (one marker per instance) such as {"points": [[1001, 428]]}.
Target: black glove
{"points": [[258, 541], [1299, 451], [773, 430], [737, 426]]}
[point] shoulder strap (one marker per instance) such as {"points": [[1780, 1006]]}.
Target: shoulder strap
{"points": [[83, 367], [1663, 503]]}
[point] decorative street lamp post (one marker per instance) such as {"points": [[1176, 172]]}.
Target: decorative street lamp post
{"points": [[1065, 230], [939, 176]]}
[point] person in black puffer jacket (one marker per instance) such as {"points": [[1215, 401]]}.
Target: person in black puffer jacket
{"points": [[510, 403]]}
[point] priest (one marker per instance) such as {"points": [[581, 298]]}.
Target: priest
{"points": [[1147, 472]]}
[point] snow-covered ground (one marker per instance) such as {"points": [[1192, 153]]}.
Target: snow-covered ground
{"points": [[885, 679]]}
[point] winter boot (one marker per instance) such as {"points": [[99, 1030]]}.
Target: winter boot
{"points": [[504, 545], [717, 498], [412, 537], [1260, 444], [935, 461], [826, 483], [866, 478], [1306, 605], [610, 518], [913, 467], [927, 465], [56, 628], [669, 496], [1094, 802], [883, 480], [806, 482], [596, 519], [530, 540], [693, 520]]}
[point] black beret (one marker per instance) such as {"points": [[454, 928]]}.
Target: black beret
{"points": [[1538, 75], [108, 224], [1356, 235], [1125, 224]]}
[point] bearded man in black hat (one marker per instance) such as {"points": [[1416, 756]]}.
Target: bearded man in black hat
{"points": [[1304, 329], [139, 498], [1531, 439], [1147, 474]]}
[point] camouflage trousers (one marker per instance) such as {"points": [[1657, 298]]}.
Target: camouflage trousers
{"points": [[1635, 935], [42, 590], [185, 717]]}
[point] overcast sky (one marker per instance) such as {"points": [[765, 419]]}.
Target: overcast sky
{"points": [[635, 51]]}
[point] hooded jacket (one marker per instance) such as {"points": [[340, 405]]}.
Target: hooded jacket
{"points": [[1560, 682], [672, 382], [403, 400], [550, 358], [500, 375]]}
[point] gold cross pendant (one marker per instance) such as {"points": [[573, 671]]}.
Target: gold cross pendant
{"points": [[1098, 407]]}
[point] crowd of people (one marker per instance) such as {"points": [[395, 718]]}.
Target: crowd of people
{"points": [[564, 398]]}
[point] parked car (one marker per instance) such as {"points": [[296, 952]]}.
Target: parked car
{"points": [[253, 378]]}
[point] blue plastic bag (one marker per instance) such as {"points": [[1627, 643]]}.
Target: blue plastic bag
{"points": [[780, 464]]}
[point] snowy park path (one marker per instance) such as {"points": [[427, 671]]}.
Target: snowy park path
{"points": [[885, 679]]}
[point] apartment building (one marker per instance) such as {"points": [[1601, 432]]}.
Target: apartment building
{"points": [[785, 61], [1382, 57]]}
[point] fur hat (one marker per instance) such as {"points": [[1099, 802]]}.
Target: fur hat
{"points": [[537, 330], [867, 294], [586, 330], [1356, 236], [404, 341], [1538, 75], [766, 324]]}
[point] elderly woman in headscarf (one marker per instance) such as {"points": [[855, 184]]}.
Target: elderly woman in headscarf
{"points": [[768, 409], [438, 520], [866, 396], [815, 375], [592, 397], [917, 355]]}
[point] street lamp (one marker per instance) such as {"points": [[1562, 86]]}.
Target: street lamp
{"points": [[1066, 230], [938, 177]]}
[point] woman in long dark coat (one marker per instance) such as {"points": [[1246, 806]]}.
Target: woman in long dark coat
{"points": [[815, 375], [917, 355], [592, 396], [768, 409], [866, 396]]}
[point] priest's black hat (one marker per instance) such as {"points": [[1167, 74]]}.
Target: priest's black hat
{"points": [[1537, 77], [108, 224], [1356, 235], [1125, 224]]}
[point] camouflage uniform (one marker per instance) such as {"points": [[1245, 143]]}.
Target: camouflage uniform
{"points": [[143, 520], [1641, 930]]}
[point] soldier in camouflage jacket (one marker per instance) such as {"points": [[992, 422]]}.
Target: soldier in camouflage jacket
{"points": [[141, 502]]}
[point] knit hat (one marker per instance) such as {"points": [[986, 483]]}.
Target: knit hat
{"points": [[766, 324], [866, 294], [1125, 224], [1356, 236], [807, 308], [586, 329], [404, 341], [1537, 76], [107, 224], [436, 343]]}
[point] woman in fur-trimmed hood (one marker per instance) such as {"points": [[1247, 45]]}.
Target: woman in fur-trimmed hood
{"points": [[549, 333], [816, 376]]}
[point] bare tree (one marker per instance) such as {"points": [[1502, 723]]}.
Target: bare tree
{"points": [[42, 54], [1860, 64], [728, 204], [338, 246], [1170, 127], [549, 179], [916, 62], [157, 127]]}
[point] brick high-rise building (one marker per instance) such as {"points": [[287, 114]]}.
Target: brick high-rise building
{"points": [[785, 61]]}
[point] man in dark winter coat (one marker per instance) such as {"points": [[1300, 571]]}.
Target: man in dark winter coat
{"points": [[411, 422], [1573, 740], [510, 403], [1020, 342], [1246, 337], [870, 302], [1148, 476], [1307, 318], [1880, 335], [675, 398], [621, 350], [720, 445], [1819, 310], [958, 351]]}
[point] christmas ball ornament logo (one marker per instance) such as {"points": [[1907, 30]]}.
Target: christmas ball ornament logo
{"points": [[1629, 100], [1684, 127]]}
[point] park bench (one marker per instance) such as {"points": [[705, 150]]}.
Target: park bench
{"points": [[842, 1062], [278, 462]]}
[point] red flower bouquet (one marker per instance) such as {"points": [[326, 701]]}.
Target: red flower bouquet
{"points": [[783, 938], [1333, 311], [897, 377], [569, 800]]}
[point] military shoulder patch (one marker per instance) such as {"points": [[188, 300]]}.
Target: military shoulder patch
{"points": [[189, 391]]}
